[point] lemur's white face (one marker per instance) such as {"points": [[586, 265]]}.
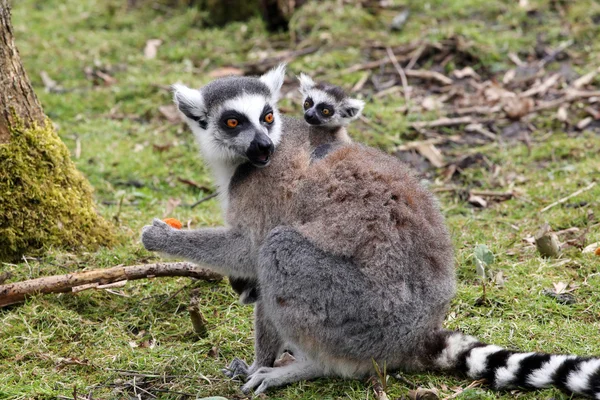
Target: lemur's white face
{"points": [[327, 105], [235, 119]]}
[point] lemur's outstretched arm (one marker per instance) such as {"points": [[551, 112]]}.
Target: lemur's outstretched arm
{"points": [[223, 250]]}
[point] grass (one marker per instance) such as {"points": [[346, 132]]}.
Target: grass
{"points": [[53, 345]]}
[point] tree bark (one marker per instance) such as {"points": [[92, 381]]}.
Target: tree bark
{"points": [[17, 98]]}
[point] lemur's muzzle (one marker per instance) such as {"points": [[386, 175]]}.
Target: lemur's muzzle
{"points": [[260, 150], [311, 117]]}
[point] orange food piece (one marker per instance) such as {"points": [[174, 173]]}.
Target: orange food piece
{"points": [[175, 223], [597, 252]]}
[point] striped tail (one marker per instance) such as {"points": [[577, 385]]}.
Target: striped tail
{"points": [[506, 369]]}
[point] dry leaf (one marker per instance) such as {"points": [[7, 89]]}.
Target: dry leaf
{"points": [[516, 108], [171, 113], [432, 153], [151, 48], [509, 76], [559, 287], [592, 248], [225, 71]]}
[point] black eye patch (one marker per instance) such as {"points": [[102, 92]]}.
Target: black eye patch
{"points": [[308, 103], [326, 106], [242, 120], [266, 110]]}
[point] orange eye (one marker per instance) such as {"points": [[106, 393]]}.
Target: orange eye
{"points": [[232, 122], [269, 118], [325, 111], [306, 104]]}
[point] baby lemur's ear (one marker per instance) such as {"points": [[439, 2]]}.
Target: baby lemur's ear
{"points": [[274, 80], [191, 104], [306, 83], [351, 108]]}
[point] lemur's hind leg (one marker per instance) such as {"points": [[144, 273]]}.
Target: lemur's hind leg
{"points": [[317, 302], [267, 346]]}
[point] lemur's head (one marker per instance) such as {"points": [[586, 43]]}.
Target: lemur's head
{"points": [[327, 105], [235, 119]]}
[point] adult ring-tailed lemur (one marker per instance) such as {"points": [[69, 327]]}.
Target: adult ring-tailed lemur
{"points": [[350, 251]]}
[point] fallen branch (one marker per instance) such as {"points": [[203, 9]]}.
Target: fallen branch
{"points": [[13, 293], [564, 199], [443, 122], [432, 75]]}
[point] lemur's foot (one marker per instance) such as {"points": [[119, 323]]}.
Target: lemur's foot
{"points": [[236, 369]]}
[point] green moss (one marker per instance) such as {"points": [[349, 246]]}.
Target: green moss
{"points": [[45, 201]]}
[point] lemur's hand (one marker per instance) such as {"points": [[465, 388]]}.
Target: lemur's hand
{"points": [[156, 237]]}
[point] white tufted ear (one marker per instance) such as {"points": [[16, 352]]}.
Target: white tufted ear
{"points": [[353, 107], [190, 102], [274, 80], [306, 83]]}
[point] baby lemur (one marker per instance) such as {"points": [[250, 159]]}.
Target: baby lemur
{"points": [[328, 109], [351, 253]]}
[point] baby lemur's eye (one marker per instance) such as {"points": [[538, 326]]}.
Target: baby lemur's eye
{"points": [[269, 118], [325, 111], [306, 104], [232, 122]]}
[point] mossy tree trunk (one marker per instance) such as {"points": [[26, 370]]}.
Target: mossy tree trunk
{"points": [[44, 201]]}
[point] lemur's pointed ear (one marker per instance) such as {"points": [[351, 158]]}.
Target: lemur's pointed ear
{"points": [[274, 79], [306, 83], [352, 108], [191, 104]]}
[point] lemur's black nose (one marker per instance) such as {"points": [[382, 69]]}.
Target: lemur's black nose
{"points": [[260, 150], [311, 117]]}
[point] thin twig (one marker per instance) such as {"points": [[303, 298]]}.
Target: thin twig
{"points": [[588, 187], [400, 71], [215, 194], [416, 56]]}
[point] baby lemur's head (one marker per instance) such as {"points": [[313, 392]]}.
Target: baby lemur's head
{"points": [[235, 119], [327, 105]]}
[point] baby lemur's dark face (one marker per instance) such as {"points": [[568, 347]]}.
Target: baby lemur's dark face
{"points": [[327, 105], [318, 114]]}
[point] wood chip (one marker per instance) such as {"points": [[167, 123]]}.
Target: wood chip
{"points": [[585, 79], [466, 72], [151, 48], [581, 125], [477, 201]]}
